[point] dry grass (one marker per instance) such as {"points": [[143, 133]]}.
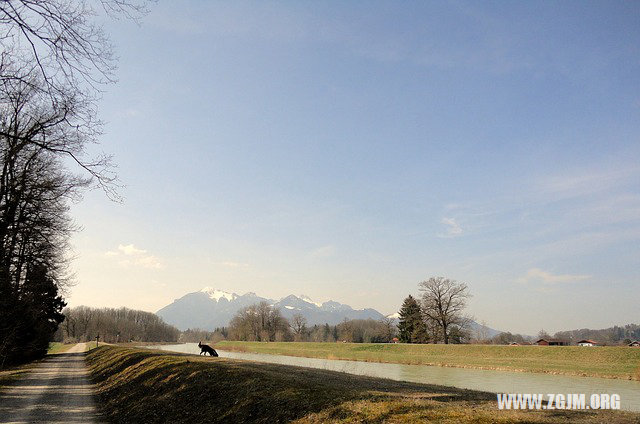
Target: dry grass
{"points": [[139, 385]]}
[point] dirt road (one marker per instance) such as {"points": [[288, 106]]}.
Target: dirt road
{"points": [[57, 391]]}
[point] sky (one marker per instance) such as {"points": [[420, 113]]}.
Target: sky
{"points": [[349, 151]]}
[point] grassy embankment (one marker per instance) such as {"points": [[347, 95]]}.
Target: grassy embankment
{"points": [[608, 362], [140, 385]]}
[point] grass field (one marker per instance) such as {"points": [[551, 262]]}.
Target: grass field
{"points": [[608, 362], [141, 385], [57, 347]]}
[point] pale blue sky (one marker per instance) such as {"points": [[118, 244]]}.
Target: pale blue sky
{"points": [[349, 150]]}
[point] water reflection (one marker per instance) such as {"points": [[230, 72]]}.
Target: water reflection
{"points": [[486, 380]]}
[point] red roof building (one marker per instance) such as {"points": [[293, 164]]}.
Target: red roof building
{"points": [[552, 342]]}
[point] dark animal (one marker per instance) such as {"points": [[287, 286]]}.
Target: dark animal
{"points": [[207, 349]]}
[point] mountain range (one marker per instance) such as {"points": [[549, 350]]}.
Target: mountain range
{"points": [[210, 308]]}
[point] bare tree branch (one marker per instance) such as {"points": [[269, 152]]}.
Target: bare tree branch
{"points": [[443, 303]]}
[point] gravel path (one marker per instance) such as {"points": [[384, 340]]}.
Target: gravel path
{"points": [[57, 391]]}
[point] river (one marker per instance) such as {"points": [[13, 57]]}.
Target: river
{"points": [[485, 380]]}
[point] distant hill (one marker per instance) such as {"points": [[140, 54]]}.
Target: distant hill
{"points": [[210, 308], [479, 329]]}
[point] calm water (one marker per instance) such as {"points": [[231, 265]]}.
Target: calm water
{"points": [[490, 381]]}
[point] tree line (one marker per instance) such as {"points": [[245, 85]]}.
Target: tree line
{"points": [[618, 334], [53, 59], [263, 322], [612, 336], [113, 325]]}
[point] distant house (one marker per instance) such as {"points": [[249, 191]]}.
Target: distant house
{"points": [[552, 342], [514, 344], [587, 342], [634, 343], [395, 340]]}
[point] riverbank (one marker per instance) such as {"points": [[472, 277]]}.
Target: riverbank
{"points": [[141, 385], [606, 362]]}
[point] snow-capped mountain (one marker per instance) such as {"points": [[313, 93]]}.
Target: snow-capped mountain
{"points": [[207, 309], [320, 313], [216, 295], [210, 308]]}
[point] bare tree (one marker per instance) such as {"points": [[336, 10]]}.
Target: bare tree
{"points": [[55, 50], [388, 329], [443, 303], [299, 326], [259, 322], [53, 60], [61, 39], [115, 325], [542, 334], [481, 333]]}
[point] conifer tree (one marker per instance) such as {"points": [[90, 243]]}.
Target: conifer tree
{"points": [[411, 327]]}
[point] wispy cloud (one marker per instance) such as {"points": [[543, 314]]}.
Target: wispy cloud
{"points": [[130, 255], [536, 275], [588, 183], [453, 228], [130, 250]]}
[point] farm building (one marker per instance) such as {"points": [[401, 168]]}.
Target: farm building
{"points": [[552, 342], [634, 343], [587, 342]]}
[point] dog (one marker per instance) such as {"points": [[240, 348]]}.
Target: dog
{"points": [[207, 349]]}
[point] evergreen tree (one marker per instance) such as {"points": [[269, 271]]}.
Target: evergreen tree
{"points": [[411, 327], [420, 333], [326, 336], [40, 309]]}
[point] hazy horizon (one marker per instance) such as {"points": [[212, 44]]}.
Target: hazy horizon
{"points": [[348, 153]]}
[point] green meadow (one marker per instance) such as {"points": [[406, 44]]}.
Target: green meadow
{"points": [[608, 362]]}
